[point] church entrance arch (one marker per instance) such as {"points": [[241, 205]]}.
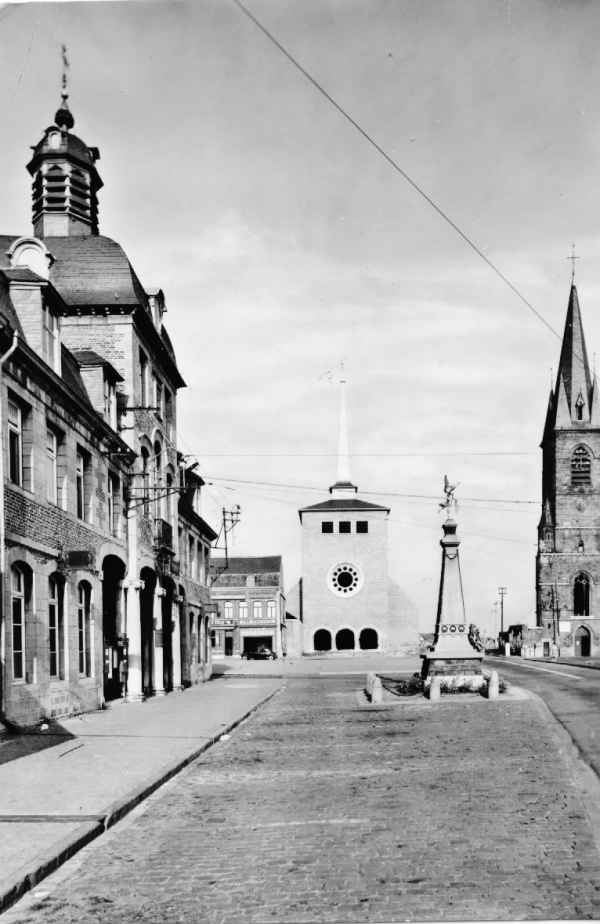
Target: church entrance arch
{"points": [[583, 642], [322, 640], [344, 640], [368, 639]]}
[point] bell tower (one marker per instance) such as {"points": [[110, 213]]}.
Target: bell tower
{"points": [[568, 557], [65, 180]]}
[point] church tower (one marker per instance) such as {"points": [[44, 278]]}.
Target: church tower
{"points": [[65, 181], [568, 558], [345, 584]]}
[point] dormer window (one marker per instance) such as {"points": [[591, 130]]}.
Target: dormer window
{"points": [[33, 253], [579, 405], [54, 140], [50, 337]]}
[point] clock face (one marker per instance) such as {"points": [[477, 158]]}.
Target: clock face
{"points": [[345, 579]]}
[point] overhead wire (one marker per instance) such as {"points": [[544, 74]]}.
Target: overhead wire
{"points": [[396, 166]]}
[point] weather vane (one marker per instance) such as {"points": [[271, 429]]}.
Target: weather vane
{"points": [[572, 258], [450, 500], [65, 68]]}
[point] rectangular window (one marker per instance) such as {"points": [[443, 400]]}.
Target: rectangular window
{"points": [[191, 557], [229, 611], [257, 610], [113, 496], [362, 526], [272, 610], [56, 628], [15, 443], [51, 466], [345, 526], [168, 413], [243, 611], [83, 487], [18, 624], [110, 403], [84, 629], [143, 379], [49, 337], [327, 526], [158, 397], [213, 638]]}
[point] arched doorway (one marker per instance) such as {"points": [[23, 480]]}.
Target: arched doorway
{"points": [[148, 576], [581, 596], [167, 634], [368, 639], [344, 640], [113, 639], [322, 640], [583, 642]]}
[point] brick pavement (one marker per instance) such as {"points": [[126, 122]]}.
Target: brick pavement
{"points": [[319, 810]]}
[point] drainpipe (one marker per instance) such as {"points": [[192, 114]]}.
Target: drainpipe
{"points": [[3, 359]]}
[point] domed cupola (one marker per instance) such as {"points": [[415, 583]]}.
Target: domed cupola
{"points": [[65, 181]]}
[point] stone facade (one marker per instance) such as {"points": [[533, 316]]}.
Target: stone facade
{"points": [[106, 554], [568, 558]]}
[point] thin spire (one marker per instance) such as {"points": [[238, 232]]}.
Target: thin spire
{"points": [[573, 379], [343, 484], [343, 461], [63, 118]]}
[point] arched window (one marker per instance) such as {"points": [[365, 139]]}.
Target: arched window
{"points": [[157, 479], [145, 480], [322, 640], [581, 467], [56, 628], [84, 628], [18, 623], [581, 595]]}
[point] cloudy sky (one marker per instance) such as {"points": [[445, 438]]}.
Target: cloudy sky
{"points": [[285, 243]]}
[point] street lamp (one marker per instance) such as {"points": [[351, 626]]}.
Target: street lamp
{"points": [[502, 591]]}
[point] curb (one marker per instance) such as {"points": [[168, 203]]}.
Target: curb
{"points": [[585, 777], [58, 853]]}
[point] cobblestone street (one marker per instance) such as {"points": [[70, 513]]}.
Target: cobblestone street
{"points": [[316, 809]]}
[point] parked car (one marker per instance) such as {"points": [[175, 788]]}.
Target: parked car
{"points": [[261, 652]]}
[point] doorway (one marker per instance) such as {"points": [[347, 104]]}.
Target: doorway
{"points": [[583, 642], [113, 640]]}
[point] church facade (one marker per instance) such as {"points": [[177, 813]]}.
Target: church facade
{"points": [[568, 557], [347, 601]]}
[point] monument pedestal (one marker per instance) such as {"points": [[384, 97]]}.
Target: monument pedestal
{"points": [[452, 660]]}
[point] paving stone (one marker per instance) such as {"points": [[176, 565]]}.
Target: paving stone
{"points": [[316, 810]]}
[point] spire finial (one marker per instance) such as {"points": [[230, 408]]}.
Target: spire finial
{"points": [[63, 117], [572, 258]]}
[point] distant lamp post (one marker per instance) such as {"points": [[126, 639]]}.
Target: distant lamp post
{"points": [[502, 591]]}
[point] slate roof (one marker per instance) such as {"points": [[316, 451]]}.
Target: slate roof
{"points": [[90, 358], [7, 311], [94, 270], [338, 503], [248, 565]]}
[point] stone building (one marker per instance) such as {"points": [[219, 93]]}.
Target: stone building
{"points": [[568, 558], [91, 389], [347, 601], [250, 603]]}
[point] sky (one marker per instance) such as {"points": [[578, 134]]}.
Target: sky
{"points": [[285, 244]]}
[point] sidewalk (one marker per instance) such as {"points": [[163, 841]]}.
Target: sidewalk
{"points": [[99, 766], [592, 663]]}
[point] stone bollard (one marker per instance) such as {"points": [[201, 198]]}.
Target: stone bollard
{"points": [[376, 691], [435, 690], [370, 681], [493, 690]]}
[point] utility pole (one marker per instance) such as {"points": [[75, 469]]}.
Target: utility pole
{"points": [[502, 591]]}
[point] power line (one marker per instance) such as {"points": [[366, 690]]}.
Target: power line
{"points": [[357, 455], [319, 489], [390, 160]]}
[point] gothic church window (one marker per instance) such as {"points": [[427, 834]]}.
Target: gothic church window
{"points": [[581, 467], [581, 595]]}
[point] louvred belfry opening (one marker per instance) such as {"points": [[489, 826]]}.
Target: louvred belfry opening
{"points": [[65, 181]]}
